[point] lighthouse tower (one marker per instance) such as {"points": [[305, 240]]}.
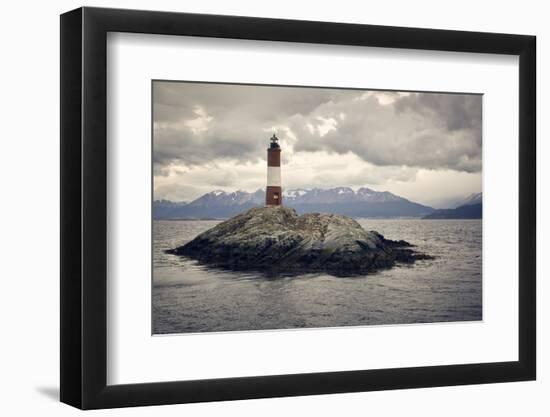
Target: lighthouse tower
{"points": [[273, 192]]}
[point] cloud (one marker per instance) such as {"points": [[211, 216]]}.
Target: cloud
{"points": [[433, 131], [234, 120], [196, 123], [329, 136]]}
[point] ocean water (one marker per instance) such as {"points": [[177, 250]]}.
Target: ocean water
{"points": [[188, 297]]}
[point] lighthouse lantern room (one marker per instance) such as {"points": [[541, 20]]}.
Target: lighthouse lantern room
{"points": [[273, 192]]}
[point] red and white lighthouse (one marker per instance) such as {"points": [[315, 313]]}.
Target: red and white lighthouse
{"points": [[273, 192]]}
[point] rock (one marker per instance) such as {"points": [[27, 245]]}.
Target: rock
{"points": [[278, 239]]}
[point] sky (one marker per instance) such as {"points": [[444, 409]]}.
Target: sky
{"points": [[422, 146]]}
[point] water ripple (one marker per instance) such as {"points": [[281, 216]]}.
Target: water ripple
{"points": [[188, 297]]}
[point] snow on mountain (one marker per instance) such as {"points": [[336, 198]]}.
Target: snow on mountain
{"points": [[223, 198], [294, 193], [470, 207], [475, 198], [339, 200]]}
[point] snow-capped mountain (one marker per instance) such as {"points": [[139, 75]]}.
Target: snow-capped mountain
{"points": [[222, 198], [469, 208], [364, 202], [337, 195], [475, 198]]}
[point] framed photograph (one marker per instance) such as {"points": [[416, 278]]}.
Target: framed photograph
{"points": [[258, 207]]}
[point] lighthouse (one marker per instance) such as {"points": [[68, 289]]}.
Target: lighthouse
{"points": [[273, 191]]}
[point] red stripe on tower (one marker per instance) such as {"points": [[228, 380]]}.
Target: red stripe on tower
{"points": [[273, 191]]}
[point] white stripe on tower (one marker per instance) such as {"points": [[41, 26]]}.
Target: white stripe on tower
{"points": [[273, 176]]}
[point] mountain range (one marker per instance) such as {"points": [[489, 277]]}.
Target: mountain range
{"points": [[476, 198], [364, 202], [470, 208]]}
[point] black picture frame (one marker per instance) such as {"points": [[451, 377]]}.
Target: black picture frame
{"points": [[84, 207]]}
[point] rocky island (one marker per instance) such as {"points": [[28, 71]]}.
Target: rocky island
{"points": [[277, 239]]}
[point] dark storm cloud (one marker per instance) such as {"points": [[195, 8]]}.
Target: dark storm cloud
{"points": [[196, 124], [243, 143], [261, 102], [457, 111], [434, 131]]}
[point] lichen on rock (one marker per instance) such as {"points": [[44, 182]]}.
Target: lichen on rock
{"points": [[278, 239]]}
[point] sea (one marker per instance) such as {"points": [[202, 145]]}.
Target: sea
{"points": [[188, 297]]}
